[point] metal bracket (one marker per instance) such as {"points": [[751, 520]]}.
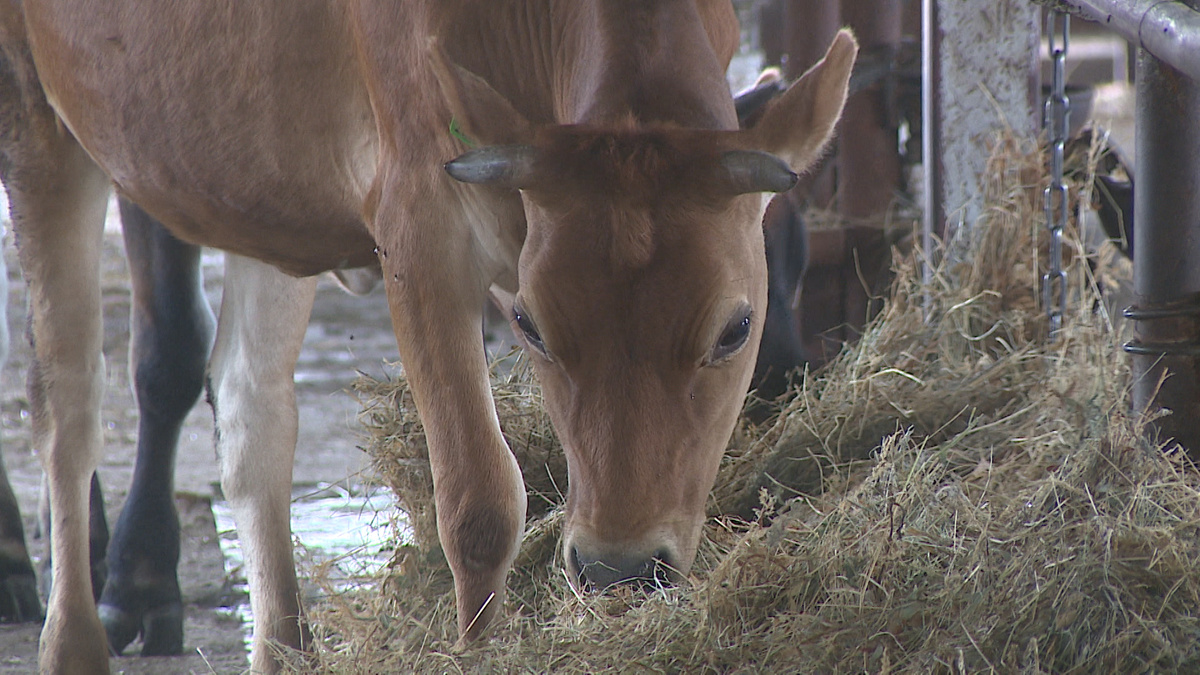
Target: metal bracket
{"points": [[1188, 308]]}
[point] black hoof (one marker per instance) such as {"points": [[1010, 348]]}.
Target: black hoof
{"points": [[162, 633], [161, 629], [19, 602]]}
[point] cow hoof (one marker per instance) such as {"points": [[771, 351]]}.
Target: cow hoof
{"points": [[19, 602], [160, 628], [162, 631]]}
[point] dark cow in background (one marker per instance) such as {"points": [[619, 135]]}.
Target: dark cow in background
{"points": [[861, 184], [864, 182], [781, 355]]}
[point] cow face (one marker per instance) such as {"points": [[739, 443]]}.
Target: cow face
{"points": [[641, 301], [641, 297]]}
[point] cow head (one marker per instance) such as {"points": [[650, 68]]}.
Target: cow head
{"points": [[642, 289]]}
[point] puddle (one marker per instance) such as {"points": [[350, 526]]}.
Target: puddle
{"points": [[351, 532]]}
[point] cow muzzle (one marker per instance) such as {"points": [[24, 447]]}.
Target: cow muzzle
{"points": [[596, 569]]}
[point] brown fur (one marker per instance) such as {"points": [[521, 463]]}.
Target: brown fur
{"points": [[631, 179]]}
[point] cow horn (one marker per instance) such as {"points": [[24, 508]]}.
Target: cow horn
{"points": [[508, 166], [755, 171]]}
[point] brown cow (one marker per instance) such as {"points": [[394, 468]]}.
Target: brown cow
{"points": [[601, 188]]}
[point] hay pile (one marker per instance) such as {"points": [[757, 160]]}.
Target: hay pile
{"points": [[952, 494]]}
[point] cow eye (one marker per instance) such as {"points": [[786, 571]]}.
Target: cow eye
{"points": [[733, 338], [528, 329]]}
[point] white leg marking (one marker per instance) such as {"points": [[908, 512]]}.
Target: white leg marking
{"points": [[264, 314]]}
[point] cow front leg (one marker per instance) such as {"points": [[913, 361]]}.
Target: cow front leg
{"points": [[58, 216], [264, 314], [436, 299], [97, 520], [171, 329]]}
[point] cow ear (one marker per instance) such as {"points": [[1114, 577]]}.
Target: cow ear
{"points": [[798, 124], [480, 114]]}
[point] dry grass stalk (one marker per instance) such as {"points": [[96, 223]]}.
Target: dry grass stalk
{"points": [[976, 500]]}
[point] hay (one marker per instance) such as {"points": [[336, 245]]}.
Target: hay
{"points": [[952, 494], [974, 336]]}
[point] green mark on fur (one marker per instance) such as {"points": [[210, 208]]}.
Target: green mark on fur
{"points": [[457, 133]]}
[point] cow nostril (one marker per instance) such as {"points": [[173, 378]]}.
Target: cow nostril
{"points": [[575, 567], [665, 566], [659, 572]]}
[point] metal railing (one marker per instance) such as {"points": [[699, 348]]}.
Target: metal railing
{"points": [[1168, 29]]}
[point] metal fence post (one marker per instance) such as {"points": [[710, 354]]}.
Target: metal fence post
{"points": [[980, 72], [1167, 249]]}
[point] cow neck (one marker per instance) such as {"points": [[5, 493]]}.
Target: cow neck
{"points": [[595, 62], [652, 62]]}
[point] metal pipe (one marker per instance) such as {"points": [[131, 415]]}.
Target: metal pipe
{"points": [[807, 29], [1167, 250], [868, 161], [933, 222], [1168, 29]]}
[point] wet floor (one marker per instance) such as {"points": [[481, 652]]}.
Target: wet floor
{"points": [[348, 533]]}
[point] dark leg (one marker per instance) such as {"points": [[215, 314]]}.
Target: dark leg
{"points": [[97, 536], [18, 584], [171, 335]]}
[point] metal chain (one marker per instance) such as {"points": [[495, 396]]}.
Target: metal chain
{"points": [[1057, 115]]}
